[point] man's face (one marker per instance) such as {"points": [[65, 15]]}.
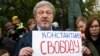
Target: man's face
{"points": [[81, 26], [9, 26], [44, 16], [94, 28]]}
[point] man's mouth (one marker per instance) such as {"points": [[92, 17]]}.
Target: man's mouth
{"points": [[45, 21]]}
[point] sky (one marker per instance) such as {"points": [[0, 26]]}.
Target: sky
{"points": [[83, 0]]}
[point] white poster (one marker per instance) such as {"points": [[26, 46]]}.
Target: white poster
{"points": [[56, 43]]}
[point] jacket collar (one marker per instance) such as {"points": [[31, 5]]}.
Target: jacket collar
{"points": [[53, 28]]}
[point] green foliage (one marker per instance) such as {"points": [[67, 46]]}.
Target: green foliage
{"points": [[88, 9], [3, 21]]}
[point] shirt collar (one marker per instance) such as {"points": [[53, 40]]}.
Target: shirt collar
{"points": [[39, 28]]}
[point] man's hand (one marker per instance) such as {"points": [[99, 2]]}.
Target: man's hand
{"points": [[26, 51]]}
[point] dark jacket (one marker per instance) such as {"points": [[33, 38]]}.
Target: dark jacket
{"points": [[94, 46], [1, 43], [91, 47], [8, 44], [26, 41]]}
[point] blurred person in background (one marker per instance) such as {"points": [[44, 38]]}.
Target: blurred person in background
{"points": [[1, 38], [18, 26], [7, 43], [93, 35], [81, 25], [11, 33], [4, 52], [31, 24], [0, 33]]}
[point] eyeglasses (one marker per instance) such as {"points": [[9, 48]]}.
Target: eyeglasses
{"points": [[94, 27]]}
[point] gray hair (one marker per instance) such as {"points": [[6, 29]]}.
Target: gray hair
{"points": [[83, 19], [43, 3]]}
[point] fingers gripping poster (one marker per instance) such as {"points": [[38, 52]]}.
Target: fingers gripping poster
{"points": [[56, 43]]}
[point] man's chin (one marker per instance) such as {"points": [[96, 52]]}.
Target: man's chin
{"points": [[45, 27]]}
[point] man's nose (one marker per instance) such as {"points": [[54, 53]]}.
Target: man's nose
{"points": [[45, 14]]}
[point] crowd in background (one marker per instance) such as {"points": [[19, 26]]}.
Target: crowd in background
{"points": [[15, 31], [89, 28]]}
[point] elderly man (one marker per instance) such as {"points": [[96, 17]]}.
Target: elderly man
{"points": [[44, 14]]}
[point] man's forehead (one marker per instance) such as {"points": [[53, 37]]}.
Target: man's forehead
{"points": [[45, 6]]}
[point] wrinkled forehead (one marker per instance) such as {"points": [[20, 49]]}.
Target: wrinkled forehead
{"points": [[46, 7]]}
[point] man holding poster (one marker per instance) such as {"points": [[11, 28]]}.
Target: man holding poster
{"points": [[44, 14]]}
